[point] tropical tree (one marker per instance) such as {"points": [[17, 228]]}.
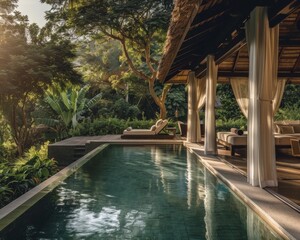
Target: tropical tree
{"points": [[139, 26]]}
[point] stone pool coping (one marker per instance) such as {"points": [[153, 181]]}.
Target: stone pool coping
{"points": [[16, 208], [283, 219]]}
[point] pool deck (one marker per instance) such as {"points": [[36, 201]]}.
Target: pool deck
{"points": [[69, 150], [232, 170]]}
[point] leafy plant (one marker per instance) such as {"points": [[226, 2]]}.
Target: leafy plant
{"points": [[18, 178], [103, 126], [67, 108], [240, 123], [288, 113]]}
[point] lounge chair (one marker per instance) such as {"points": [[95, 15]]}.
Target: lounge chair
{"points": [[182, 128], [152, 133]]}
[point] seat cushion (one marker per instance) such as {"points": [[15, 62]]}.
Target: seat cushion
{"points": [[232, 138]]}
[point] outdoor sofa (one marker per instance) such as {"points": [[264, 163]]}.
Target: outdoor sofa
{"points": [[284, 132]]}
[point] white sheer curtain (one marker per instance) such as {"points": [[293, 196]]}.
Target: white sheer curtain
{"points": [[201, 94], [263, 60], [240, 90], [278, 95], [210, 144]]}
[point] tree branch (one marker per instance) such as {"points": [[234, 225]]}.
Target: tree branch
{"points": [[148, 59], [165, 92], [130, 63]]}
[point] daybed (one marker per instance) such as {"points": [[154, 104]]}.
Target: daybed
{"points": [[152, 133], [284, 132]]}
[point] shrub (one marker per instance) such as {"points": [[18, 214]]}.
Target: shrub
{"points": [[18, 178], [288, 113], [240, 123], [108, 126]]}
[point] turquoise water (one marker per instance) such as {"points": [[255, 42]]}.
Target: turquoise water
{"points": [[140, 192]]}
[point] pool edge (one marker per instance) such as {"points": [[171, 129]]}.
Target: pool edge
{"points": [[20, 205], [210, 162]]}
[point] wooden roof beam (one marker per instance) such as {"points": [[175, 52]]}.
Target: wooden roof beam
{"points": [[192, 33], [297, 64], [236, 60], [236, 44], [281, 10], [211, 12], [246, 74], [285, 42]]}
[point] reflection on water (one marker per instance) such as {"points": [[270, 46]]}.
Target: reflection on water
{"points": [[140, 192]]}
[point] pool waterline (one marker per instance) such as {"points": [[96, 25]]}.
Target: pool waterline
{"points": [[190, 190]]}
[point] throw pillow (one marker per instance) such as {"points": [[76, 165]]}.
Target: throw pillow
{"points": [[153, 128], [159, 122], [129, 128], [286, 129], [296, 128]]}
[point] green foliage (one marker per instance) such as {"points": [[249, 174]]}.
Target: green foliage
{"points": [[109, 126], [16, 179], [226, 125], [177, 100], [29, 64], [229, 108], [288, 113], [126, 40], [122, 109], [67, 107], [40, 151], [7, 145], [290, 97]]}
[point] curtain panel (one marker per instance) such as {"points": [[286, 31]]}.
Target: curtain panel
{"points": [[240, 90]]}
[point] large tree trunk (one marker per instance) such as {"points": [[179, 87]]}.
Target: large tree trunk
{"points": [[160, 101]]}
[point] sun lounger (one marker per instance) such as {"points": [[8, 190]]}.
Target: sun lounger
{"points": [[152, 133]]}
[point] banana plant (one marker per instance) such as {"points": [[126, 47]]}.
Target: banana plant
{"points": [[68, 106]]}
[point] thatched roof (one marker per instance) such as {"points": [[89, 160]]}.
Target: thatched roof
{"points": [[218, 28], [182, 16]]}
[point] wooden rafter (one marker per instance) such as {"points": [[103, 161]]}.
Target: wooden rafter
{"points": [[296, 65], [216, 10], [280, 53], [245, 74], [236, 60], [235, 45], [213, 23], [282, 10]]}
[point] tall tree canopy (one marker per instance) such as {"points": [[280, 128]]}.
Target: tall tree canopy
{"points": [[29, 64], [138, 25]]}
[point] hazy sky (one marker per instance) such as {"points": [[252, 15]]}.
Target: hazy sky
{"points": [[34, 9]]}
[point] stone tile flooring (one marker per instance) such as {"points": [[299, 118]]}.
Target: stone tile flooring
{"points": [[288, 170]]}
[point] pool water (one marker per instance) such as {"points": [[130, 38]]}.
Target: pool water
{"points": [[140, 192]]}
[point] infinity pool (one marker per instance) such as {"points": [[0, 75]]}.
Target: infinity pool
{"points": [[140, 192]]}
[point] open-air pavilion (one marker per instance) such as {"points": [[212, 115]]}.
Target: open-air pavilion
{"points": [[230, 41]]}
